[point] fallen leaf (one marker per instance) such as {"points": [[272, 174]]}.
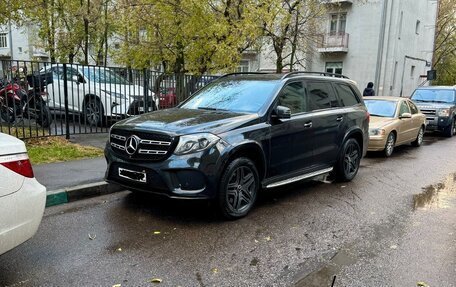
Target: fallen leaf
{"points": [[268, 238], [393, 246], [157, 232], [119, 249], [214, 270], [155, 280], [343, 186], [256, 241], [92, 237], [421, 284], [116, 285]]}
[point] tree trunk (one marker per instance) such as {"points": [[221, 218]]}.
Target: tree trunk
{"points": [[86, 35]]}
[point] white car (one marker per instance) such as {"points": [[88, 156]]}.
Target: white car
{"points": [[96, 92], [22, 197]]}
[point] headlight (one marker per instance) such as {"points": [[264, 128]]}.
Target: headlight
{"points": [[196, 142], [116, 95], [376, 132], [444, 113]]}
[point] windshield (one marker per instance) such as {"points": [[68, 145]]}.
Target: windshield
{"points": [[380, 108], [233, 95], [436, 96], [103, 76]]}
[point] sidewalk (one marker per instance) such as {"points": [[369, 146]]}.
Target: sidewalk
{"points": [[72, 180]]}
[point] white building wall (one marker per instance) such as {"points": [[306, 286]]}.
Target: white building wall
{"points": [[392, 74]]}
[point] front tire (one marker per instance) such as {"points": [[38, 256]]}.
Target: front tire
{"points": [[347, 165], [389, 146], [238, 189], [451, 129], [419, 138], [93, 112], [7, 114], [44, 118]]}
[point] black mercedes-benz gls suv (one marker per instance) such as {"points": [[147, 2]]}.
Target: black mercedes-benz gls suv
{"points": [[242, 133]]}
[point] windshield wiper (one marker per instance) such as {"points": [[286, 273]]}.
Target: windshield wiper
{"points": [[210, 109]]}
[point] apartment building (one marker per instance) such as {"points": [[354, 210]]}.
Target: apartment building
{"points": [[388, 42]]}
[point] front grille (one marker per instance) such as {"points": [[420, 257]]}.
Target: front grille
{"points": [[428, 112], [147, 146]]}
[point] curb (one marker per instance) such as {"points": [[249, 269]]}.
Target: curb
{"points": [[69, 194]]}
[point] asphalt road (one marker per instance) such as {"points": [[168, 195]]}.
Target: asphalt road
{"points": [[394, 225]]}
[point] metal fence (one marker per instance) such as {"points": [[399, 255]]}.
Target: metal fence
{"points": [[42, 99]]}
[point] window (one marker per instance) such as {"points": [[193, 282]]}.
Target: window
{"points": [[243, 66], [381, 108], [417, 27], [404, 108], [412, 72], [337, 23], [321, 96], [334, 67], [3, 40], [346, 95], [413, 108], [293, 97]]}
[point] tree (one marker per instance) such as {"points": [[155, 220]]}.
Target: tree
{"points": [[187, 36], [445, 43], [290, 28]]}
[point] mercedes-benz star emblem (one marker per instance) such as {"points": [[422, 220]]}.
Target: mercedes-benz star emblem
{"points": [[131, 145]]}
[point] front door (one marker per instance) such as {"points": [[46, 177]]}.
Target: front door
{"points": [[406, 132], [291, 139]]}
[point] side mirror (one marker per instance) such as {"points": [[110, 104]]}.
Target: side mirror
{"points": [[282, 112], [405, 116]]}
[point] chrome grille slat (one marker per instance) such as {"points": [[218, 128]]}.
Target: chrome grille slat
{"points": [[153, 146]]}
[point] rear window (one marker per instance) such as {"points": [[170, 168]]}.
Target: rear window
{"points": [[346, 95], [381, 108], [321, 96], [435, 96]]}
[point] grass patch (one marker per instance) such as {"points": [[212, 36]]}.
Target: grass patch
{"points": [[58, 149], [24, 132]]}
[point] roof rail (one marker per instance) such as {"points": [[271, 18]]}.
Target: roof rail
{"points": [[287, 75], [244, 73]]}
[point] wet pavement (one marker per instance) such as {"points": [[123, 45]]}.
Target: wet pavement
{"points": [[394, 225]]}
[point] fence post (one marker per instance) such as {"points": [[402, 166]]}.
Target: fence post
{"points": [[146, 89], [65, 93]]}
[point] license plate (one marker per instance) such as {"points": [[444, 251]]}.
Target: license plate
{"points": [[133, 175]]}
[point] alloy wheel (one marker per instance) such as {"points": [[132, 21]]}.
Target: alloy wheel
{"points": [[241, 189], [351, 159], [389, 145], [93, 112], [420, 136]]}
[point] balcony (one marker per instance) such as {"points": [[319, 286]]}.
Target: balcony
{"points": [[333, 43]]}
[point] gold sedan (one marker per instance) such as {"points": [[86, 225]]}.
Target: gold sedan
{"points": [[394, 121]]}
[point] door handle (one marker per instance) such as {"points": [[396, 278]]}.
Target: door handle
{"points": [[339, 118], [308, 125]]}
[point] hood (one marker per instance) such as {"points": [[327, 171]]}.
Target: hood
{"points": [[378, 122], [432, 105], [187, 121]]}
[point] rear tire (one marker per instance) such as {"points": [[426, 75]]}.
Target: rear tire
{"points": [[389, 146], [347, 165], [238, 189], [419, 138], [451, 129]]}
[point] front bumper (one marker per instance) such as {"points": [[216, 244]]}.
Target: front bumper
{"points": [[376, 143], [192, 176], [21, 213], [435, 123]]}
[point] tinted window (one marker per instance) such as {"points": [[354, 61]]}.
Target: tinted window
{"points": [[404, 108], [233, 95], [292, 96], [413, 108], [321, 96], [436, 96], [346, 95], [381, 108]]}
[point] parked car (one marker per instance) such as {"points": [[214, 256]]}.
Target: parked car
{"points": [[22, 198], [394, 121], [168, 98], [241, 133], [438, 103], [97, 92]]}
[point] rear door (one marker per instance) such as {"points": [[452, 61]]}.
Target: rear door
{"points": [[417, 118], [291, 139], [327, 122]]}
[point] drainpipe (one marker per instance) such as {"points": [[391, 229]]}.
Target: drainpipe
{"points": [[10, 40], [381, 40]]}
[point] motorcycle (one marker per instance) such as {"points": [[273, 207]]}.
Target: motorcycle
{"points": [[17, 103]]}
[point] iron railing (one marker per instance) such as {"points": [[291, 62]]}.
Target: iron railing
{"points": [[84, 98]]}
